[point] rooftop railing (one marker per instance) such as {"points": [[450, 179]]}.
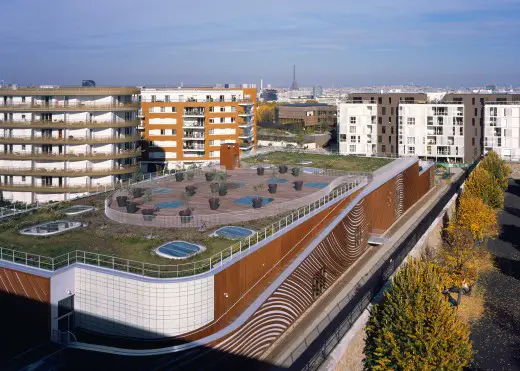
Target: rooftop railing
{"points": [[124, 169], [62, 106], [198, 100], [68, 139], [66, 124], [68, 90], [71, 156], [233, 252]]}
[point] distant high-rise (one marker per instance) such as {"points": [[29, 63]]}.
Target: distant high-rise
{"points": [[317, 91], [294, 85]]}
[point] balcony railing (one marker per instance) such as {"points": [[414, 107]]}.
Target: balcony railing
{"points": [[69, 140], [45, 188], [199, 100], [70, 156], [64, 124], [194, 112], [68, 91], [67, 107], [69, 172]]}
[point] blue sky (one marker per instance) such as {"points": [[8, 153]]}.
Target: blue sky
{"points": [[341, 43]]}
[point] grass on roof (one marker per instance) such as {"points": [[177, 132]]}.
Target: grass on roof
{"points": [[338, 162], [104, 236]]}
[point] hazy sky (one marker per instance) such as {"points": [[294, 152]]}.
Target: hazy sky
{"points": [[340, 43]]}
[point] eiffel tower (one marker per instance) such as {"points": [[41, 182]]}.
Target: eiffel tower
{"points": [[294, 85]]}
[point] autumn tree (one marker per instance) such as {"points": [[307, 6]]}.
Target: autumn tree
{"points": [[265, 112], [414, 327], [476, 217], [481, 184], [461, 260], [497, 168]]}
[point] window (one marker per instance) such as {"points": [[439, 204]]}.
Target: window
{"points": [[163, 109], [23, 117], [390, 139], [353, 120], [222, 109], [392, 111], [492, 121], [383, 129], [380, 120], [163, 132], [430, 120], [476, 111], [390, 100], [410, 140], [352, 130], [342, 137], [461, 131], [151, 109], [411, 150], [383, 148], [410, 121], [211, 131], [391, 129], [352, 148], [383, 110], [473, 121], [493, 111], [473, 101], [380, 139], [166, 98], [23, 178], [472, 141], [380, 100], [211, 142], [153, 98], [174, 109], [353, 139], [23, 99], [222, 120], [23, 147]]}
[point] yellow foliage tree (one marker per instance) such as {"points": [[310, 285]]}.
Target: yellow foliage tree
{"points": [[481, 184], [496, 167], [265, 112], [476, 217]]}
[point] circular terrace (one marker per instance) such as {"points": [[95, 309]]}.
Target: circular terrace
{"points": [[205, 198]]}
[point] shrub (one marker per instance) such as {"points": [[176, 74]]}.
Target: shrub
{"points": [[414, 327], [481, 184]]}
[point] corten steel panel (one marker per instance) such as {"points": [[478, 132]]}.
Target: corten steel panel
{"points": [[25, 308], [230, 156], [338, 251]]}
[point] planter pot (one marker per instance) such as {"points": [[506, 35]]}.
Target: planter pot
{"points": [[257, 203], [214, 203], [272, 188], [260, 170], [148, 214], [298, 185], [210, 177], [222, 192], [282, 169], [131, 207], [138, 192], [295, 171], [179, 177], [191, 190], [121, 201]]}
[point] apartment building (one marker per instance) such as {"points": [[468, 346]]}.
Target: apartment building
{"points": [[58, 143], [187, 125], [306, 115], [502, 129], [367, 122]]}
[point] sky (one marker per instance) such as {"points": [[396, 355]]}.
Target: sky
{"points": [[438, 43]]}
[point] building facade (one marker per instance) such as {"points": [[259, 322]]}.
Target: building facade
{"points": [[502, 129], [307, 115], [58, 143], [187, 125]]}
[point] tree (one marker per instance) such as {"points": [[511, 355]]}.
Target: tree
{"points": [[461, 261], [414, 327], [476, 217], [265, 112], [481, 184], [497, 168], [300, 137]]}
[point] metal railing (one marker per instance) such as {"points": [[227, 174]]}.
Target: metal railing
{"points": [[69, 139], [62, 106], [65, 124], [174, 99], [69, 90], [70, 155], [215, 261], [266, 150], [85, 171]]}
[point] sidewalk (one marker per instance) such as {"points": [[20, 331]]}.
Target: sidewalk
{"points": [[305, 330]]}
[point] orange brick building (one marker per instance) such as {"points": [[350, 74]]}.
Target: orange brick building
{"points": [[187, 125]]}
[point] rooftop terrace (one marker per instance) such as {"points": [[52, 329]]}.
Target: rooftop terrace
{"points": [[116, 242]]}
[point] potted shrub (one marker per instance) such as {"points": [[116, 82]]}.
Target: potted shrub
{"points": [[121, 201], [214, 202], [179, 176], [186, 213], [260, 170], [283, 169], [148, 213], [137, 192], [298, 184], [190, 190], [190, 175], [131, 207], [273, 186], [258, 201], [147, 195], [295, 171], [222, 189], [210, 176]]}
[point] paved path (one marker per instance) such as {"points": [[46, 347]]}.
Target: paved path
{"points": [[496, 337]]}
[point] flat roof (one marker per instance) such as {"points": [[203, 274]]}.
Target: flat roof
{"points": [[306, 105]]}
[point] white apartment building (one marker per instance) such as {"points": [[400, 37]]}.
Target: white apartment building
{"points": [[357, 128], [502, 129], [432, 130], [58, 143]]}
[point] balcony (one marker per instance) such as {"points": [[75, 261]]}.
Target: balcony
{"points": [[68, 107], [70, 173], [246, 146], [69, 140], [193, 112], [70, 156], [246, 124], [68, 91], [246, 135], [63, 124], [23, 187]]}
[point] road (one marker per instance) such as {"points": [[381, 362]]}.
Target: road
{"points": [[496, 337]]}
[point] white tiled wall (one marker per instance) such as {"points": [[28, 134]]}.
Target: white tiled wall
{"points": [[123, 306]]}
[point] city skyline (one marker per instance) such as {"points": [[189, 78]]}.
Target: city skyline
{"points": [[440, 44]]}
